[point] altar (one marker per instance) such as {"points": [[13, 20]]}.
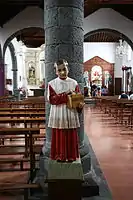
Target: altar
{"points": [[38, 92]]}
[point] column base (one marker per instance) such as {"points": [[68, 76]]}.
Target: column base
{"points": [[63, 189], [90, 184], [65, 170], [17, 94], [65, 180]]}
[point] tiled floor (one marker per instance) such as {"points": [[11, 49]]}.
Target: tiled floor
{"points": [[114, 152]]}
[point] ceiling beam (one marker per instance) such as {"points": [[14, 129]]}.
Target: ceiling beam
{"points": [[33, 39]]}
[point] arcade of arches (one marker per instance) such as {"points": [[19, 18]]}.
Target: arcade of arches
{"points": [[102, 66]]}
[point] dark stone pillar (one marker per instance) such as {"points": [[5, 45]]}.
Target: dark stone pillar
{"points": [[2, 79], [2, 74], [118, 86], [132, 83], [14, 69], [64, 39]]}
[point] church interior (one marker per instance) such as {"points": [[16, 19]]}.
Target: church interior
{"points": [[96, 38]]}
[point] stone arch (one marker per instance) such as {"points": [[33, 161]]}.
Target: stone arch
{"points": [[14, 35], [14, 65], [1, 56], [2, 74], [24, 19], [107, 18], [113, 32]]}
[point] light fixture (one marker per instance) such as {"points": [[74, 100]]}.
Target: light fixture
{"points": [[121, 49]]}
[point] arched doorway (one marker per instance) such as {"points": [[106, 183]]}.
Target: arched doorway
{"points": [[31, 36], [114, 36]]}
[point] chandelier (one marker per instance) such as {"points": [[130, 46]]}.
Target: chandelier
{"points": [[121, 49]]}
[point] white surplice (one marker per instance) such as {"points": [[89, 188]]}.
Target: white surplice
{"points": [[60, 116]]}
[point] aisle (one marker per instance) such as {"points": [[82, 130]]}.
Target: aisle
{"points": [[113, 150]]}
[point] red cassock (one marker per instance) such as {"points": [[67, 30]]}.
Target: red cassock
{"points": [[64, 143]]}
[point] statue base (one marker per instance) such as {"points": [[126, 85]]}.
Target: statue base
{"points": [[65, 170], [65, 180], [84, 189], [88, 181], [65, 189]]}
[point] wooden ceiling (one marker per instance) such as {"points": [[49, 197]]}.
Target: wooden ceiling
{"points": [[103, 36], [34, 38], [124, 7]]}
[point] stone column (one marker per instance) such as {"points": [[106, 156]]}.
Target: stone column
{"points": [[14, 69], [64, 39], [2, 74], [2, 79]]}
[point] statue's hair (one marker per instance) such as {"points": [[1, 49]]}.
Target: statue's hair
{"points": [[60, 62]]}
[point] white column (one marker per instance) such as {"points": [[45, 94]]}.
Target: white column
{"points": [[24, 78], [118, 65]]}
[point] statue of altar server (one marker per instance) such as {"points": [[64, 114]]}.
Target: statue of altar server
{"points": [[63, 120]]}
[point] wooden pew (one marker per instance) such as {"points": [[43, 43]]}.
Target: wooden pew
{"points": [[31, 150], [19, 187], [22, 114], [25, 121], [17, 133], [13, 110], [120, 109], [19, 104], [11, 186], [16, 161], [14, 137], [104, 102], [26, 105], [19, 149]]}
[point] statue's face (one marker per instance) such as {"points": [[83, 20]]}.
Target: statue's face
{"points": [[62, 71]]}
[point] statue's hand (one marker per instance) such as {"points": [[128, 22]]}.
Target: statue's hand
{"points": [[69, 92], [81, 105]]}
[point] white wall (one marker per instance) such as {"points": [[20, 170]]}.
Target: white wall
{"points": [[104, 50], [110, 19], [107, 51]]}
